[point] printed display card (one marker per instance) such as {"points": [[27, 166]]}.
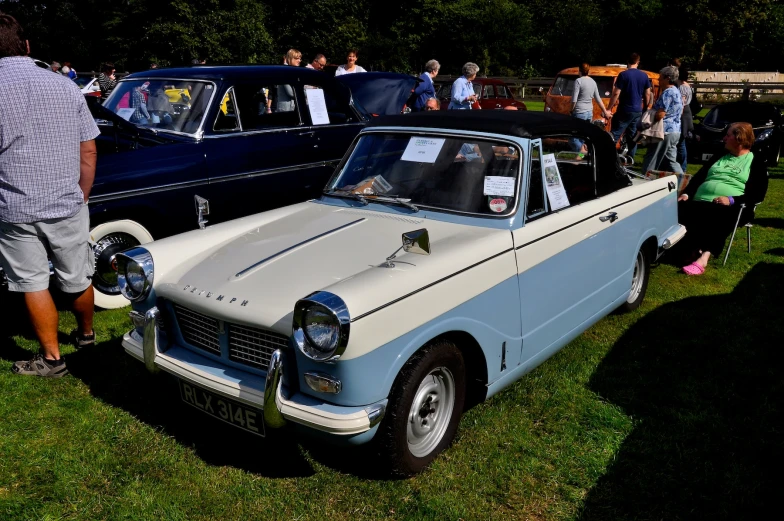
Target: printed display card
{"points": [[556, 193], [423, 149], [503, 186], [126, 113], [317, 106]]}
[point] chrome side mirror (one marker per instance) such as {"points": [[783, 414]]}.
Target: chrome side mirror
{"points": [[202, 210], [417, 242]]}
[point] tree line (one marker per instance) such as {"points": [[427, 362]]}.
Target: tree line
{"points": [[504, 37]]}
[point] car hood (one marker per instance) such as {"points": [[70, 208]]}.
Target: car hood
{"points": [[379, 93], [256, 276]]}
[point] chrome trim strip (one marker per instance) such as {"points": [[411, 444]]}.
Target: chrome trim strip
{"points": [[269, 171], [272, 416], [151, 339], [145, 191], [306, 241], [206, 181], [430, 285]]}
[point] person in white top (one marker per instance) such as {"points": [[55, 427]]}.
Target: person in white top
{"points": [[351, 66]]}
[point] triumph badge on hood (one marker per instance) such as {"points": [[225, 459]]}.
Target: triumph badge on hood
{"points": [[209, 294]]}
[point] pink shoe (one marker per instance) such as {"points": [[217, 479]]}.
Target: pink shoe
{"points": [[693, 269]]}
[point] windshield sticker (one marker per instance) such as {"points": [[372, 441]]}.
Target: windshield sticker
{"points": [[496, 185], [497, 205], [317, 106], [125, 113], [423, 149], [556, 193]]}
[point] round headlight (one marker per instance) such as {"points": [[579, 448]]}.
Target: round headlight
{"points": [[135, 273], [321, 326]]}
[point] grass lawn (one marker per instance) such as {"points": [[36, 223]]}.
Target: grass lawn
{"points": [[671, 412]]}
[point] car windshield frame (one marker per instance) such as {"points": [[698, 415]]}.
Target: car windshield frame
{"points": [[333, 185], [208, 86]]}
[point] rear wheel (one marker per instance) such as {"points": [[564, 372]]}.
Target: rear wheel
{"points": [[424, 409], [642, 269], [111, 238]]}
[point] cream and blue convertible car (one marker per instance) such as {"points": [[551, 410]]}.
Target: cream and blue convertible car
{"points": [[449, 255]]}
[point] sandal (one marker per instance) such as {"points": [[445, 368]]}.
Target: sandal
{"points": [[693, 269], [40, 366]]}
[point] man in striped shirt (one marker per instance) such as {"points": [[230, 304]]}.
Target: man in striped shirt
{"points": [[106, 80]]}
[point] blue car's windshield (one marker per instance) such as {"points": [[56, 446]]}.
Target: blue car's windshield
{"points": [[162, 104], [461, 174]]}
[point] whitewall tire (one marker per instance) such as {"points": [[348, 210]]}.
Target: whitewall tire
{"points": [[110, 239]]}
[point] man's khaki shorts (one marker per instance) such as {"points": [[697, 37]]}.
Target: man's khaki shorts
{"points": [[26, 249]]}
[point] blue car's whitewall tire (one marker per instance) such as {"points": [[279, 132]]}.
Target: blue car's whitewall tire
{"points": [[110, 239]]}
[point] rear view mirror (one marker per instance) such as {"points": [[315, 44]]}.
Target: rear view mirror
{"points": [[417, 242]]}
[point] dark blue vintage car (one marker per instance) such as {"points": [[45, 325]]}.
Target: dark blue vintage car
{"points": [[246, 138]]}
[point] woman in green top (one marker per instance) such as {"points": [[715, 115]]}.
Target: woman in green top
{"points": [[708, 208]]}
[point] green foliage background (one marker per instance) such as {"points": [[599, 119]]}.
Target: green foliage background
{"points": [[505, 37]]}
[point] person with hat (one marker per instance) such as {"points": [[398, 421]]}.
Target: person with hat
{"points": [[140, 116]]}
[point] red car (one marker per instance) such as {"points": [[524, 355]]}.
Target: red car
{"points": [[492, 93]]}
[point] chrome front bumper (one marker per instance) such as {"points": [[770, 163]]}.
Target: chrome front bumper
{"points": [[277, 407]]}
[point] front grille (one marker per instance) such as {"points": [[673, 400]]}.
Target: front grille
{"points": [[252, 346], [199, 330]]}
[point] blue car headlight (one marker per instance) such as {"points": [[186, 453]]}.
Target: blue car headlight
{"points": [[321, 326], [135, 273]]}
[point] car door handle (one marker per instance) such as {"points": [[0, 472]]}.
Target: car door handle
{"points": [[612, 217], [311, 133]]}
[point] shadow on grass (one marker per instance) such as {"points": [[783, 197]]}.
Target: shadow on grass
{"points": [[121, 381], [704, 382], [776, 251], [770, 222]]}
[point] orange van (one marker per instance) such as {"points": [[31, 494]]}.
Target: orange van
{"points": [[559, 97]]}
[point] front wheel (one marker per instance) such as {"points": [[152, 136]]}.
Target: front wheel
{"points": [[110, 239], [642, 269], [424, 409]]}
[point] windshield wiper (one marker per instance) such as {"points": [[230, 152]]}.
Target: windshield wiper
{"points": [[337, 192], [395, 199]]}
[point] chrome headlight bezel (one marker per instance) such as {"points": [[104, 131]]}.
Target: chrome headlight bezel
{"points": [[143, 259], [337, 310]]}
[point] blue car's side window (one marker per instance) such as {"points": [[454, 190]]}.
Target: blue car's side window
{"points": [[227, 119]]}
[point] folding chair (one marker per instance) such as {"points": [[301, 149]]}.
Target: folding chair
{"points": [[748, 226]]}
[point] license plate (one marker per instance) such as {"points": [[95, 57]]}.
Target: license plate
{"points": [[706, 157], [246, 418]]}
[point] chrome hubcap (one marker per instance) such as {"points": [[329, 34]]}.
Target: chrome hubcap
{"points": [[637, 278], [106, 249], [430, 412]]}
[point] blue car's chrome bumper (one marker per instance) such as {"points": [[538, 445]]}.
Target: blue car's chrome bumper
{"points": [[267, 393]]}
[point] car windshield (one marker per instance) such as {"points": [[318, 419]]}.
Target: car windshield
{"points": [[162, 104], [462, 174], [564, 85], [758, 115], [83, 81]]}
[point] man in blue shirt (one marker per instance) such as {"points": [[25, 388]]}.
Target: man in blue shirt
{"points": [[426, 90], [632, 93]]}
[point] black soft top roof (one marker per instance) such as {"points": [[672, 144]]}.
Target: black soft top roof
{"points": [[520, 123], [610, 174]]}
